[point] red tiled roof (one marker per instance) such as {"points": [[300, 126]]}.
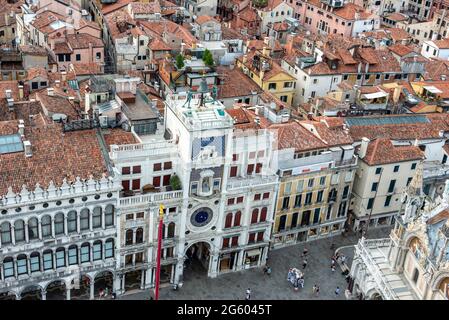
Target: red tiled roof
{"points": [[382, 151]]}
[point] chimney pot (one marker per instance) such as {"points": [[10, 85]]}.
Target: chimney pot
{"points": [[363, 147]]}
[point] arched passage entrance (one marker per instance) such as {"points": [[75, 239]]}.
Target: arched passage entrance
{"points": [[103, 282], [31, 293], [376, 296], [133, 280], [56, 290], [80, 290], [197, 259], [8, 295]]}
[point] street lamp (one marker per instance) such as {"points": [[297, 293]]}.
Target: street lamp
{"points": [[159, 247]]}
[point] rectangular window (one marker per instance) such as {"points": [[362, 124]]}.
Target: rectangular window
{"points": [[252, 237], [34, 264], [235, 241], [272, 86], [8, 269], [233, 172], [231, 201], [125, 185], [225, 243], [378, 170], [298, 199], [22, 266], [322, 181], [48, 261], [310, 183], [257, 197], [260, 236], [387, 201], [157, 182], [396, 169], [250, 169], [266, 195], [157, 167], [96, 250], [391, 186], [78, 57], [288, 188], [345, 192], [73, 256], [308, 198], [299, 186], [235, 157], [374, 186], [319, 197], [85, 255], [258, 167], [409, 180], [316, 215], [285, 203], [294, 220], [370, 203], [413, 166], [167, 165], [109, 249], [126, 170], [137, 169], [166, 180], [136, 184], [98, 55], [60, 259]]}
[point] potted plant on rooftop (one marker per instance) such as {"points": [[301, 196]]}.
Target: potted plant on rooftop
{"points": [[175, 182]]}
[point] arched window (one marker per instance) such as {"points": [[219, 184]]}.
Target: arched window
{"points": [[22, 264], [19, 230], [109, 248], [6, 232], [139, 235], [255, 216], [85, 252], [171, 230], [46, 226], [73, 255], [59, 223], [35, 263], [109, 215], [237, 217], [72, 221], [60, 257], [263, 214], [96, 250], [33, 232], [128, 237], [228, 220], [84, 219], [8, 267], [163, 231], [48, 259], [96, 218]]}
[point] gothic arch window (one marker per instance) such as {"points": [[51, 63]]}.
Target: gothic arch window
{"points": [[139, 235], [19, 230], [84, 219], [59, 223], [228, 220], [96, 218], [237, 218], [129, 237], [33, 232], [6, 233], [72, 221], [46, 226], [255, 216], [263, 214]]}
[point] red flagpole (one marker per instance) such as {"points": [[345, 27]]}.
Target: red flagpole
{"points": [[159, 251]]}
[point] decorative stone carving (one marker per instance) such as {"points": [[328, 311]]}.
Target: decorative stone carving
{"points": [[65, 187], [52, 191], [38, 192], [78, 185]]}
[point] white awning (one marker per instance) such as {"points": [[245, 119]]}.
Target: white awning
{"points": [[432, 89], [252, 253], [374, 95]]}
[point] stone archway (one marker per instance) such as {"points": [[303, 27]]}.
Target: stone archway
{"points": [[31, 293], [376, 296], [103, 282], [56, 290], [197, 260], [133, 280], [80, 289], [8, 295]]}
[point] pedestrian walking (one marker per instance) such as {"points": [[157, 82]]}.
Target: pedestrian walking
{"points": [[332, 262], [248, 294], [343, 258], [337, 291], [314, 288], [333, 268], [317, 291], [305, 252], [304, 264]]}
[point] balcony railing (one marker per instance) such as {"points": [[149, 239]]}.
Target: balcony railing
{"points": [[146, 199], [250, 181], [162, 148]]}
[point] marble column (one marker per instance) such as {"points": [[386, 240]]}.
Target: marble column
{"points": [[67, 293], [92, 290]]}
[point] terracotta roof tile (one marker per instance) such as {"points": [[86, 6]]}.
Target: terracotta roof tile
{"points": [[382, 151]]}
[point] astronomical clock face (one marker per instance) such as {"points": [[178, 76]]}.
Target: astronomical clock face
{"points": [[201, 217]]}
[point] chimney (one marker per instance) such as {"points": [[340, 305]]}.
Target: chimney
{"points": [[266, 41], [64, 76], [27, 147], [8, 93], [58, 83], [50, 92], [363, 147], [20, 92], [441, 133], [265, 51], [21, 128]]}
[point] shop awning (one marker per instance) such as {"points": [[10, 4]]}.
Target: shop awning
{"points": [[252, 253], [375, 95], [432, 89]]}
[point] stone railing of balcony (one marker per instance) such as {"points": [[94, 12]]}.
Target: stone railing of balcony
{"points": [[160, 148], [149, 198], [250, 181]]}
